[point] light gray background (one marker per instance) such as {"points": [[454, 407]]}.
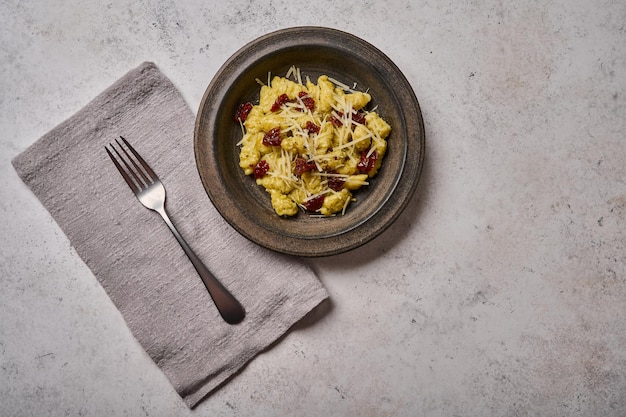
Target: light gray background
{"points": [[501, 291]]}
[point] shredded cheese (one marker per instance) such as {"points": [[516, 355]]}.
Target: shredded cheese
{"points": [[342, 85]]}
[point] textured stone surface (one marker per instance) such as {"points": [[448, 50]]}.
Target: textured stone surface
{"points": [[499, 292]]}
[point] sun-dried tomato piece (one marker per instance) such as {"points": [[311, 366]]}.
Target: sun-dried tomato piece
{"points": [[312, 127], [315, 203], [261, 168], [307, 100], [366, 163], [272, 138], [358, 117], [337, 121], [336, 183], [242, 112], [282, 99], [302, 166]]}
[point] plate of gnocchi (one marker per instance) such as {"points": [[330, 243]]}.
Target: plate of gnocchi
{"points": [[309, 141]]}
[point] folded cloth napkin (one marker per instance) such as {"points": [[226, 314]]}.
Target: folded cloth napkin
{"points": [[133, 254]]}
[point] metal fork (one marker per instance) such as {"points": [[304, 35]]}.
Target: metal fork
{"points": [[150, 192]]}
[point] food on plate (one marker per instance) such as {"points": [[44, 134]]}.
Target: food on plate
{"points": [[310, 145]]}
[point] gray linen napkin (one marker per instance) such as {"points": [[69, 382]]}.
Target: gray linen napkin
{"points": [[134, 256]]}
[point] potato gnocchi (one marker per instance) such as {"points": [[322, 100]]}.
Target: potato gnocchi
{"points": [[310, 145]]}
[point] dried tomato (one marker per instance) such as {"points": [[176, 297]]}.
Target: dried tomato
{"points": [[302, 166], [315, 203], [307, 100], [358, 117], [242, 112], [272, 138], [261, 169], [336, 183], [335, 121], [312, 127], [282, 99], [366, 163]]}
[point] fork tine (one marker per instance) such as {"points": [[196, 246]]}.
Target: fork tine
{"points": [[122, 171], [139, 175], [132, 171], [143, 163]]}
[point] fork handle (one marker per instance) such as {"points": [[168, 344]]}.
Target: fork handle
{"points": [[227, 305]]}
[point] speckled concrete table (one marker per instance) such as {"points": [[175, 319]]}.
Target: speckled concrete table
{"points": [[499, 292]]}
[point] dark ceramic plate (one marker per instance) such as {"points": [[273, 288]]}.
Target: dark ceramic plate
{"points": [[316, 51]]}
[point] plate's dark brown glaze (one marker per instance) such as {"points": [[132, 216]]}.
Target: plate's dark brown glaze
{"points": [[316, 51]]}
